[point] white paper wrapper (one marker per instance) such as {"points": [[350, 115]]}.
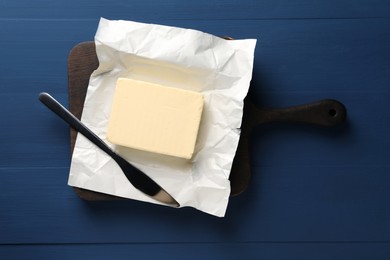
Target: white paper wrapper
{"points": [[183, 58]]}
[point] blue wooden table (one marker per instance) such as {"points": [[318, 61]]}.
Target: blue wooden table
{"points": [[315, 193]]}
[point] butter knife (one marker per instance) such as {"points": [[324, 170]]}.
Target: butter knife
{"points": [[135, 176]]}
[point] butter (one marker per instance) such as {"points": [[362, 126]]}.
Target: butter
{"points": [[155, 118]]}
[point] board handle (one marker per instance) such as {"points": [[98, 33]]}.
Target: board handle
{"points": [[327, 112]]}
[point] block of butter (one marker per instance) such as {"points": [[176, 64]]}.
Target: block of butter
{"points": [[155, 118]]}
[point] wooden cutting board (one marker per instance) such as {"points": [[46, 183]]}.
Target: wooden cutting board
{"points": [[82, 61]]}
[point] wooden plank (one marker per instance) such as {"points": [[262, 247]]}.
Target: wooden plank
{"points": [[298, 55], [151, 10], [283, 203], [247, 250]]}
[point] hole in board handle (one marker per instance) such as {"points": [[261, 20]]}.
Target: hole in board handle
{"points": [[332, 112]]}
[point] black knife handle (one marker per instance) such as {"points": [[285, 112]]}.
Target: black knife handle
{"points": [[74, 122]]}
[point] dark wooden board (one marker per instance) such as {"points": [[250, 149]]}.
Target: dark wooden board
{"points": [[82, 61]]}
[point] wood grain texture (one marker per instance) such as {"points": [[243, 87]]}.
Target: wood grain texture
{"points": [[314, 194]]}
